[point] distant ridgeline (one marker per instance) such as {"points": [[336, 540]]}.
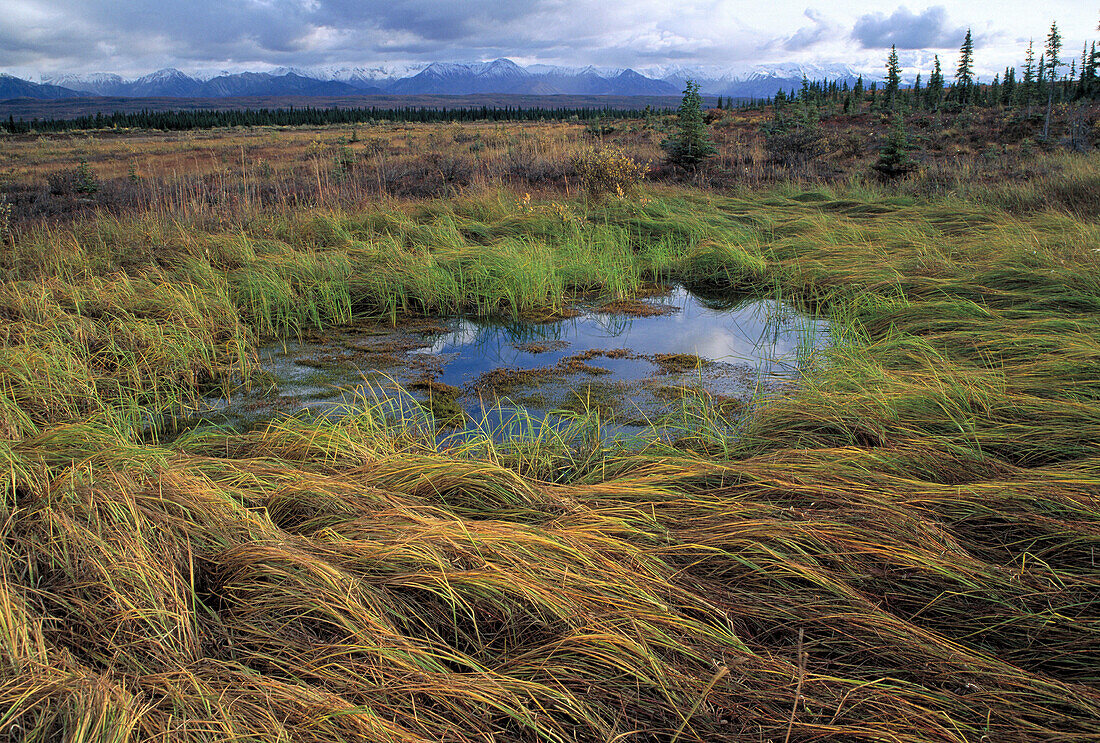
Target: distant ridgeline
{"points": [[310, 116]]}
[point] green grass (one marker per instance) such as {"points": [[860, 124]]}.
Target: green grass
{"points": [[903, 549]]}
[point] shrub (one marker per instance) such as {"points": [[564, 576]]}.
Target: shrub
{"points": [[792, 136], [599, 128], [80, 179], [608, 170]]}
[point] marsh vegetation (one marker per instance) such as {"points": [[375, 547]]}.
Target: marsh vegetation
{"points": [[900, 547]]}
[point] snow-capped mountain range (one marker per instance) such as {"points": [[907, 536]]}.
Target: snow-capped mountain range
{"points": [[499, 76]]}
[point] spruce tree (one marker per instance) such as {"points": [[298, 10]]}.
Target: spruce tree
{"points": [[1092, 71], [692, 144], [964, 73], [1008, 90], [894, 160], [1082, 82], [935, 85], [893, 76], [1027, 88], [1053, 48]]}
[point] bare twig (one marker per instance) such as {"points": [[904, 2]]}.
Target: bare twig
{"points": [[798, 689]]}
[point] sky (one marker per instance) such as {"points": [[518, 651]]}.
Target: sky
{"points": [[133, 37]]}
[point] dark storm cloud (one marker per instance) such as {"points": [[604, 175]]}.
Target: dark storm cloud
{"points": [[428, 19], [136, 36], [278, 29], [101, 31], [928, 29], [201, 26]]}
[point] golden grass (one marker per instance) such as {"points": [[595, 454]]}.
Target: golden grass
{"points": [[903, 549]]}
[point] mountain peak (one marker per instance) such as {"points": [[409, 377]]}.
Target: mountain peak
{"points": [[498, 76], [502, 68], [164, 75]]}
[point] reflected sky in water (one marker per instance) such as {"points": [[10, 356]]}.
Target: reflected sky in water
{"points": [[765, 334], [754, 341]]}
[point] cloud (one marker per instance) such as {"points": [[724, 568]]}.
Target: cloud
{"points": [[135, 36], [132, 36], [807, 36], [928, 29], [284, 31]]}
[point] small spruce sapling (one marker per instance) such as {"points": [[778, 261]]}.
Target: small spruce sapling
{"points": [[86, 182], [894, 161], [692, 144]]}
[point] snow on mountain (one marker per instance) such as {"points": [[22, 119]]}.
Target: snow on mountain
{"points": [[167, 75], [577, 71], [553, 69], [370, 75], [280, 71], [498, 76], [755, 81], [690, 72], [503, 69], [458, 78], [169, 82], [206, 75], [373, 74], [97, 83]]}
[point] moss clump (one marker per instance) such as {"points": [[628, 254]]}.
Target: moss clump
{"points": [[441, 402], [637, 308], [503, 381], [579, 365], [676, 363], [540, 346], [548, 314]]}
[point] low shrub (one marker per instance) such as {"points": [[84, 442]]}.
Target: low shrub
{"points": [[608, 170]]}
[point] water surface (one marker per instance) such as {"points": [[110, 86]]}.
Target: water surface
{"points": [[632, 369]]}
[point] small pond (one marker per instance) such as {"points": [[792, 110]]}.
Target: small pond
{"points": [[635, 363]]}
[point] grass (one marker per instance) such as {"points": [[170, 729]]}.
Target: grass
{"points": [[990, 155], [904, 549]]}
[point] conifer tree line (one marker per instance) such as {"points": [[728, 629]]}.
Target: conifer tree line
{"points": [[1037, 85], [310, 116]]}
